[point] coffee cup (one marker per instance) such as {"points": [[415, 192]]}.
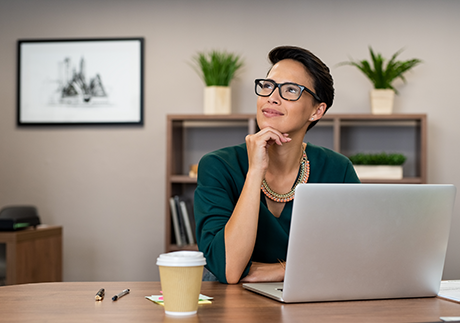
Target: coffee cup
{"points": [[180, 275]]}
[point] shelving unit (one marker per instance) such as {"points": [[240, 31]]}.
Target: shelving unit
{"points": [[189, 137]]}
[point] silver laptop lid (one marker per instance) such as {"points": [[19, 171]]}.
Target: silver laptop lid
{"points": [[367, 241]]}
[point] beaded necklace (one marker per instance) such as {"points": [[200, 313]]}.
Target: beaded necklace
{"points": [[289, 196]]}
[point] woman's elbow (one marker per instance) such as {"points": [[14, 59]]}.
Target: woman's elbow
{"points": [[232, 281], [232, 277]]}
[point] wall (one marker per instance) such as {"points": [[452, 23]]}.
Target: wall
{"points": [[105, 185]]}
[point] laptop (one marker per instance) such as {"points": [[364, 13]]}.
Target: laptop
{"points": [[364, 241]]}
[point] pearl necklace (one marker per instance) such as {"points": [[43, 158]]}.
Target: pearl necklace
{"points": [[289, 196]]}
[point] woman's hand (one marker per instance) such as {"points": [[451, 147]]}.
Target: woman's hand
{"points": [[258, 144], [261, 272]]}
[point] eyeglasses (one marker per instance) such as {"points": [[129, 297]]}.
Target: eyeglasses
{"points": [[288, 91]]}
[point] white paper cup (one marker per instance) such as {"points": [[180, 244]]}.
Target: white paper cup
{"points": [[180, 276]]}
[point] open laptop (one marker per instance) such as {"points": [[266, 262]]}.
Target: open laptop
{"points": [[364, 241]]}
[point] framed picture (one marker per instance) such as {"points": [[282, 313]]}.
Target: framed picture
{"points": [[80, 81]]}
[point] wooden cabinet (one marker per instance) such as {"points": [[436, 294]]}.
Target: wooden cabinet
{"points": [[33, 255], [189, 137]]}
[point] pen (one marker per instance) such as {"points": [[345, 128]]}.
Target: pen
{"points": [[123, 293], [100, 294]]}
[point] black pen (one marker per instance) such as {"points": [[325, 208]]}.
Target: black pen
{"points": [[123, 293], [100, 294]]}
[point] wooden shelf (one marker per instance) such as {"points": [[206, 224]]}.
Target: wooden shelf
{"points": [[343, 132], [406, 180], [185, 179]]}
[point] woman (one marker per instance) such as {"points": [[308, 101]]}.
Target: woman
{"points": [[244, 196]]}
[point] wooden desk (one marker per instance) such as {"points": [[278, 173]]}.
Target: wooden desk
{"points": [[33, 255], [74, 302]]}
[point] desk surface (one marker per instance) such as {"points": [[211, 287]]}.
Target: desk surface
{"points": [[74, 302]]}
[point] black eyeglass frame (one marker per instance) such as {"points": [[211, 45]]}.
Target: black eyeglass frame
{"points": [[279, 85]]}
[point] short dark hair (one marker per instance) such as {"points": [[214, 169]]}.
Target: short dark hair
{"points": [[322, 79]]}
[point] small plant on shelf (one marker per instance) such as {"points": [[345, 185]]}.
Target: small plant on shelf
{"points": [[382, 76], [378, 159], [217, 68]]}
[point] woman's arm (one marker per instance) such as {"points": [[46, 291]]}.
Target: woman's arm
{"points": [[241, 229]]}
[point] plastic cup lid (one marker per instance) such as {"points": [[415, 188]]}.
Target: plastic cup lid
{"points": [[181, 259]]}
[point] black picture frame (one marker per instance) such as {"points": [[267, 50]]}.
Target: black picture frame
{"points": [[86, 81]]}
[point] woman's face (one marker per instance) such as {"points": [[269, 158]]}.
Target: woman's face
{"points": [[289, 116]]}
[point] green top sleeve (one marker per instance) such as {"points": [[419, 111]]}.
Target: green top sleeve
{"points": [[221, 176]]}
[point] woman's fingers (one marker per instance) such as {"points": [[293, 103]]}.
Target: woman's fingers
{"points": [[269, 136], [258, 143]]}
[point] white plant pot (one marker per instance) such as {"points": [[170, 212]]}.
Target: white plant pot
{"points": [[382, 101], [217, 100], [379, 172]]}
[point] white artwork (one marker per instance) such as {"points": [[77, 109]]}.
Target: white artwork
{"points": [[80, 81]]}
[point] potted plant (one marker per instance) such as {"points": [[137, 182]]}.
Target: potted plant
{"points": [[382, 77], [217, 69], [378, 166]]}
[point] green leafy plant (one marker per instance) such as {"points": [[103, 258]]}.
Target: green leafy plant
{"points": [[382, 76], [377, 159], [217, 68]]}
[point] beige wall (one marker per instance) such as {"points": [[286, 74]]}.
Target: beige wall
{"points": [[105, 185]]}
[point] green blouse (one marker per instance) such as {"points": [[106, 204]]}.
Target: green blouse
{"points": [[221, 176]]}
